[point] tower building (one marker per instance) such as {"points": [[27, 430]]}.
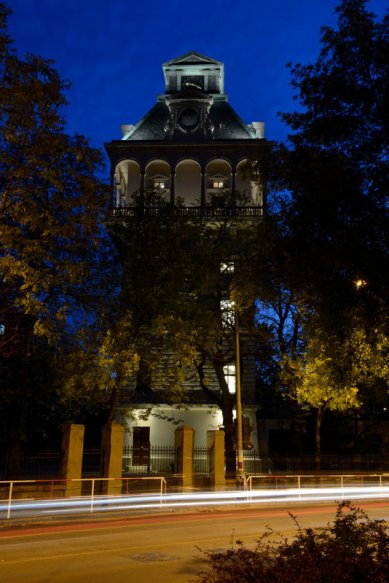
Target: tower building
{"points": [[189, 157]]}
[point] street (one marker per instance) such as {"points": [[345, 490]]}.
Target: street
{"points": [[153, 548]]}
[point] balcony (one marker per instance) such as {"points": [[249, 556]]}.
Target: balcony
{"points": [[190, 212]]}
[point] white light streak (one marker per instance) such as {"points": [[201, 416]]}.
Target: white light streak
{"points": [[88, 504]]}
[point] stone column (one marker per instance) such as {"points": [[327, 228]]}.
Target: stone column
{"points": [[71, 462], [203, 195], [112, 456], [184, 444], [172, 188], [215, 442], [233, 183]]}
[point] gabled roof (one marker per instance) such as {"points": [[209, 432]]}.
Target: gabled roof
{"points": [[192, 57]]}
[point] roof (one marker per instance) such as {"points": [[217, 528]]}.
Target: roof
{"points": [[227, 123], [192, 58]]}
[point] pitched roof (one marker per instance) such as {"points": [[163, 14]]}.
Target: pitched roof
{"points": [[192, 57]]}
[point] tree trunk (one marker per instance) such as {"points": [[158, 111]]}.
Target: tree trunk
{"points": [[229, 441]]}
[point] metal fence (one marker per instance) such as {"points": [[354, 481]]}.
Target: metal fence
{"points": [[155, 459], [162, 461], [31, 464], [91, 463], [201, 461]]}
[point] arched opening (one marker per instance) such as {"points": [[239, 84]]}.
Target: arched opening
{"points": [[218, 183], [127, 182], [157, 182], [188, 183], [248, 192]]}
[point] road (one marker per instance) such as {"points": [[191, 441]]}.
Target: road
{"points": [[147, 549]]}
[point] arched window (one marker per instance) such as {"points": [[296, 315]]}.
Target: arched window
{"points": [[188, 183], [127, 182], [157, 182], [219, 183]]}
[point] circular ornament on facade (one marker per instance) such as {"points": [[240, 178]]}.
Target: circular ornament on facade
{"points": [[189, 119]]}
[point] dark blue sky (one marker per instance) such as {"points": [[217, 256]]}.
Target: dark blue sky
{"points": [[112, 52]]}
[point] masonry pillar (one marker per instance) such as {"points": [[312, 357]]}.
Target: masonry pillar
{"points": [[112, 456], [184, 444], [215, 443], [203, 194], [172, 188], [71, 461]]}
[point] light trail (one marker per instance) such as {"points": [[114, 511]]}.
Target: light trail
{"points": [[164, 502]]}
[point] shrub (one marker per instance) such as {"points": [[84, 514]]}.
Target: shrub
{"points": [[352, 549]]}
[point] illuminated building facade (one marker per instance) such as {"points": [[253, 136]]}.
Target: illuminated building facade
{"points": [[192, 149]]}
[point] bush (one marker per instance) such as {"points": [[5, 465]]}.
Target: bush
{"points": [[352, 549]]}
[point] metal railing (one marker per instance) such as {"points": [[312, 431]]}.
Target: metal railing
{"points": [[31, 463], [315, 480], [148, 460], [30, 494], [199, 212], [161, 460]]}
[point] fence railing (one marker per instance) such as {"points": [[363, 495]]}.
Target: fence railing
{"points": [[315, 481], [207, 212], [148, 460], [257, 463], [36, 496], [162, 460], [32, 463]]}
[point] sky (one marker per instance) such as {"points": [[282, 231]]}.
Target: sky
{"points": [[112, 52]]}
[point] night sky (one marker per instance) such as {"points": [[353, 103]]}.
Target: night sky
{"points": [[112, 51]]}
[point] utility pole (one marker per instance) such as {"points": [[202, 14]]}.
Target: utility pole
{"points": [[239, 431]]}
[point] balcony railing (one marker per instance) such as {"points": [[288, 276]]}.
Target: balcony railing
{"points": [[190, 212]]}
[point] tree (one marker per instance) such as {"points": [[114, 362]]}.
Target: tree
{"points": [[183, 321], [51, 205], [328, 203], [318, 389], [331, 375], [336, 171]]}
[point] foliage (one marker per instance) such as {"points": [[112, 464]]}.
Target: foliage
{"points": [[54, 255], [332, 375], [50, 200], [354, 548], [97, 369], [335, 173], [183, 321], [327, 225]]}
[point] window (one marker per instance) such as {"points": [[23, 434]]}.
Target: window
{"points": [[230, 376], [192, 81], [160, 183], [227, 312], [228, 267], [218, 182]]}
